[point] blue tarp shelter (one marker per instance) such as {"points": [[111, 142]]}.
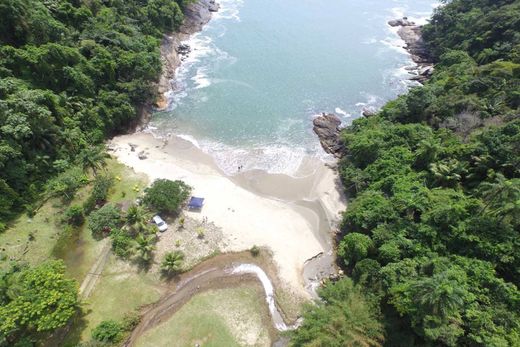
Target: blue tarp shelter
{"points": [[195, 203]]}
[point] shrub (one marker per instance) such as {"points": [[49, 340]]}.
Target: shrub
{"points": [[104, 220], [107, 331], [3, 227], [66, 184], [74, 216], [166, 196], [121, 243], [354, 247], [255, 251], [200, 232], [99, 193], [131, 320]]}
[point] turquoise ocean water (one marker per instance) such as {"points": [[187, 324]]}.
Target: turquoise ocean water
{"points": [[262, 69]]}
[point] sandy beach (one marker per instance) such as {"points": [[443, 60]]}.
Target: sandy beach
{"points": [[290, 216]]}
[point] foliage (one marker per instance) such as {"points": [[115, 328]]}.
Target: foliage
{"points": [[145, 246], [432, 231], [35, 301], [166, 196], [354, 247], [103, 221], [99, 193], [74, 216], [107, 331], [122, 243], [137, 221], [66, 184], [172, 262], [255, 251], [343, 317], [71, 74], [93, 158]]}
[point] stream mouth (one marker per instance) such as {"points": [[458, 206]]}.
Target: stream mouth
{"points": [[276, 315], [223, 271]]}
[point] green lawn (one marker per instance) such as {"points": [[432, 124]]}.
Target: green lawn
{"points": [[120, 291], [44, 237], [216, 318]]}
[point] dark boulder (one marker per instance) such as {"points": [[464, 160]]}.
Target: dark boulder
{"points": [[327, 127]]}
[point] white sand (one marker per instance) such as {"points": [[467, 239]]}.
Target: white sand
{"points": [[252, 209]]}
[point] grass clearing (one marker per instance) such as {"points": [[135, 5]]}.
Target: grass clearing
{"points": [[120, 291], [221, 317], [44, 237]]}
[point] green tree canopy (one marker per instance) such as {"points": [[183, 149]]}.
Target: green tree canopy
{"points": [[35, 300], [166, 196]]}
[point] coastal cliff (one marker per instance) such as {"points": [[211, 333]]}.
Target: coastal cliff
{"points": [[173, 51], [411, 34]]}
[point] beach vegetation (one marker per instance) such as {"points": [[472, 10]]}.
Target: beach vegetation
{"points": [[166, 196], [103, 221], [172, 262], [255, 251]]}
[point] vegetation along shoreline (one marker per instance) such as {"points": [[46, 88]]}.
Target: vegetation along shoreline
{"points": [[427, 253]]}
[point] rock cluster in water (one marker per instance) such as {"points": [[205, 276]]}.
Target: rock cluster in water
{"points": [[411, 34], [327, 127]]}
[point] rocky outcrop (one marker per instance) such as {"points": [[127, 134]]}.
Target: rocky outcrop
{"points": [[327, 127], [402, 22], [369, 111], [173, 51], [412, 36]]}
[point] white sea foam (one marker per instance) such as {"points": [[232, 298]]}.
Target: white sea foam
{"points": [[229, 9], [190, 139], [201, 78], [273, 158], [342, 112]]}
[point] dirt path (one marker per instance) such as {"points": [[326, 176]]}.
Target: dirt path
{"points": [[214, 273], [95, 271]]}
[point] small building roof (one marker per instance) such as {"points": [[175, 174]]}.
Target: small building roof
{"points": [[196, 202]]}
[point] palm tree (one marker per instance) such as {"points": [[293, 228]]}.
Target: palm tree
{"points": [[172, 262], [500, 193], [93, 158], [448, 172], [137, 220], [145, 246], [439, 294], [427, 151]]}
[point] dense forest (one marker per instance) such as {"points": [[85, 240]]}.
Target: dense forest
{"points": [[71, 73], [432, 232], [431, 239]]}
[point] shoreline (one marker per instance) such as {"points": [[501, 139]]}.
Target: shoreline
{"points": [[197, 15], [411, 34], [273, 211]]}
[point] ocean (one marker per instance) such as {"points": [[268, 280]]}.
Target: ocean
{"points": [[262, 69]]}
